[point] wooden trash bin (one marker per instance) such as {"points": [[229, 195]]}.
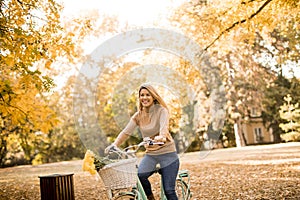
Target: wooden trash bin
{"points": [[57, 187]]}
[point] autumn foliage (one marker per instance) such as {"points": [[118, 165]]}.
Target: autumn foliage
{"points": [[252, 43]]}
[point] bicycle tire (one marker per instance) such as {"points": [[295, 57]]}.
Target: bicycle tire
{"points": [[125, 196], [183, 193]]}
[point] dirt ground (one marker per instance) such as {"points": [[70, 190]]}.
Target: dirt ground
{"points": [[253, 172]]}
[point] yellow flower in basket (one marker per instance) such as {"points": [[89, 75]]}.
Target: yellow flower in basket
{"points": [[93, 163]]}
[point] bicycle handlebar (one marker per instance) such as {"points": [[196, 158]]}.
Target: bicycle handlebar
{"points": [[137, 146], [132, 149]]}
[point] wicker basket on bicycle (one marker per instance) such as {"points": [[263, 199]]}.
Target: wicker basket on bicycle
{"points": [[119, 175]]}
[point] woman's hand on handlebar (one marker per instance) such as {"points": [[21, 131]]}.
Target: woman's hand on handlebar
{"points": [[160, 138], [148, 141], [111, 148]]}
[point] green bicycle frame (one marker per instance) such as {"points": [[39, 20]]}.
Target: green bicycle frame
{"points": [[142, 195]]}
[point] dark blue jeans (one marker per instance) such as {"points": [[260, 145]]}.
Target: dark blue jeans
{"points": [[169, 165]]}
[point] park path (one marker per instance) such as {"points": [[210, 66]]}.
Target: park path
{"points": [[252, 172]]}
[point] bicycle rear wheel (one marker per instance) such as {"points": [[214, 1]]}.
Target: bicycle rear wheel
{"points": [[182, 190]]}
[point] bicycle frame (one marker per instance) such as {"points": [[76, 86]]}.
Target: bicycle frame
{"points": [[139, 192]]}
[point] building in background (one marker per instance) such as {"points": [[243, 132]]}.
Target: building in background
{"points": [[253, 129]]}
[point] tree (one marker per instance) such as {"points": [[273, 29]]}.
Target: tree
{"points": [[228, 30], [25, 39], [291, 113], [63, 141], [276, 53], [219, 20], [32, 39], [273, 99]]}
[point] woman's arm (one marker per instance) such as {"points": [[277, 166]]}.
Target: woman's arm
{"points": [[126, 132], [164, 126]]}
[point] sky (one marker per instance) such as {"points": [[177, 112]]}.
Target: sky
{"points": [[135, 12], [140, 13]]}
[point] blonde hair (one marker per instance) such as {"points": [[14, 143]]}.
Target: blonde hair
{"points": [[157, 98]]}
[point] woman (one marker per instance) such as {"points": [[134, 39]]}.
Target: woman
{"points": [[153, 120]]}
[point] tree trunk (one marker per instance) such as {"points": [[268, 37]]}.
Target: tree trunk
{"points": [[3, 151], [239, 138]]}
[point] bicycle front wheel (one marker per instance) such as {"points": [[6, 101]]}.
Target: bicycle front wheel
{"points": [[182, 190], [126, 196]]}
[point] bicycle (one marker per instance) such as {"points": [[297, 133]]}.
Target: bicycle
{"points": [[119, 176]]}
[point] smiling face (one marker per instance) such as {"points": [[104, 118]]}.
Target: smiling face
{"points": [[146, 98]]}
